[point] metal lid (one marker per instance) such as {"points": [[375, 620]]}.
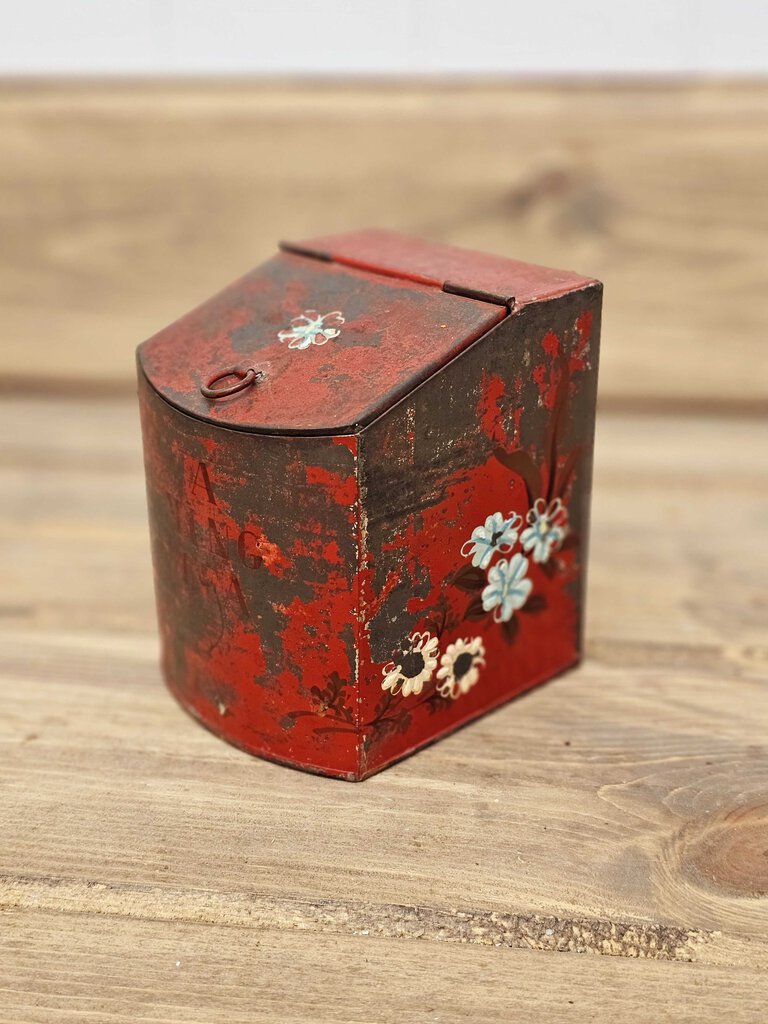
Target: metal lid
{"points": [[313, 343]]}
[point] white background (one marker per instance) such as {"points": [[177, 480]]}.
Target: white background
{"points": [[386, 37]]}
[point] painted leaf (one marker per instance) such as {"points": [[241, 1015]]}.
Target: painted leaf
{"points": [[521, 463], [469, 578], [563, 478], [403, 723], [509, 629], [475, 610], [437, 702], [549, 568], [327, 729], [534, 604], [555, 428]]}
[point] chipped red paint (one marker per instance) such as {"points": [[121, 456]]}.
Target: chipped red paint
{"points": [[579, 357], [304, 559], [489, 411], [415, 259], [394, 335], [548, 373], [342, 490]]}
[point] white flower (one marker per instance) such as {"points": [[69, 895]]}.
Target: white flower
{"points": [[413, 665], [460, 667], [312, 329], [498, 534], [547, 530], [508, 587]]}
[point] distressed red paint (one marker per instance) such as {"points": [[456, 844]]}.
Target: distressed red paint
{"points": [[312, 534], [343, 490], [489, 412], [578, 360]]}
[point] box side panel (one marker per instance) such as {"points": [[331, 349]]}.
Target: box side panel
{"points": [[476, 496], [254, 543]]}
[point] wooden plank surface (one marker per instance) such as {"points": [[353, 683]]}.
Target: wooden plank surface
{"points": [[619, 811], [141, 970], [123, 206], [150, 872]]}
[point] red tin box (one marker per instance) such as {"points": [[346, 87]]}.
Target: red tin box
{"points": [[368, 473]]}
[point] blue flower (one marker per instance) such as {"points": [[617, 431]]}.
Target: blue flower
{"points": [[508, 587], [498, 534], [547, 529], [312, 329]]}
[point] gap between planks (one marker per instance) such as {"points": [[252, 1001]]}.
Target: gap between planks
{"points": [[159, 973], [635, 939]]}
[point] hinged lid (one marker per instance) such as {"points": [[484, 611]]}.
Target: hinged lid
{"points": [[463, 271], [334, 331]]}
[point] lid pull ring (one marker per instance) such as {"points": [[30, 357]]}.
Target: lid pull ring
{"points": [[244, 380]]}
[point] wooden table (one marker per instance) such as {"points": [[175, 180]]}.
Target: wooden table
{"points": [[596, 850]]}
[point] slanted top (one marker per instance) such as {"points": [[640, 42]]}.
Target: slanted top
{"points": [[446, 266], [336, 330]]}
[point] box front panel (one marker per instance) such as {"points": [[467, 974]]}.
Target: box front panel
{"points": [[254, 542], [476, 505]]}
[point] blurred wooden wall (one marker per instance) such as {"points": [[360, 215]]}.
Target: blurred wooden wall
{"points": [[123, 205]]}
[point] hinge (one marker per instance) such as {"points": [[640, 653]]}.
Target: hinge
{"points": [[508, 301], [302, 250], [475, 293]]}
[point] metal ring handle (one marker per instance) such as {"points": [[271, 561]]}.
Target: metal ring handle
{"points": [[244, 380]]}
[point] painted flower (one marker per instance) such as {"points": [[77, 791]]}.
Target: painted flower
{"points": [[508, 587], [412, 666], [548, 525], [460, 667], [498, 534], [312, 329]]}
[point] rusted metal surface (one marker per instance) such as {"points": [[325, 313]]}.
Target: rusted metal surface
{"points": [[335, 346], [506, 428], [335, 597], [430, 263], [255, 549]]}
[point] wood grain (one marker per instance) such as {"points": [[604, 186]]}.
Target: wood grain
{"points": [[149, 872], [618, 812], [121, 969], [123, 206]]}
